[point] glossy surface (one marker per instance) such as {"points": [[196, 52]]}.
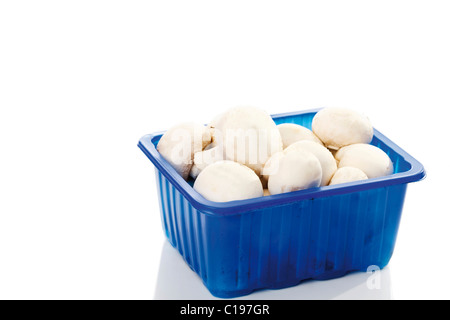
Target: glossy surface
{"points": [[278, 241]]}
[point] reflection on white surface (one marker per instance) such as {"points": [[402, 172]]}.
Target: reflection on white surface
{"points": [[177, 281]]}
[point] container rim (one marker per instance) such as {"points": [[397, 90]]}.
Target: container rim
{"points": [[415, 173]]}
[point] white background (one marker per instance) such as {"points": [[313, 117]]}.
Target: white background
{"points": [[82, 81]]}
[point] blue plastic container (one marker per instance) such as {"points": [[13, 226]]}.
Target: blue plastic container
{"points": [[277, 241]]}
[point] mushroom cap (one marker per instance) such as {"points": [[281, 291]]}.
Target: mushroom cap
{"points": [[248, 135], [297, 170], [326, 159], [227, 180], [179, 144], [339, 127], [347, 174], [291, 133], [204, 158], [271, 167], [373, 161]]}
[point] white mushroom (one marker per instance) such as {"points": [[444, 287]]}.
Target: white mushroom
{"points": [[324, 156], [297, 170], [373, 161], [291, 132], [204, 158], [179, 144], [347, 174], [339, 127], [226, 180], [248, 136], [271, 167]]}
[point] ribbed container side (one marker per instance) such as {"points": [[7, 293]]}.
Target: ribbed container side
{"points": [[183, 225], [280, 246]]}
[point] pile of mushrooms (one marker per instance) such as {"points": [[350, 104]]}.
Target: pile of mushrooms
{"points": [[243, 154]]}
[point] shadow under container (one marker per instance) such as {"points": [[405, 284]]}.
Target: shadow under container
{"points": [[278, 241]]}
